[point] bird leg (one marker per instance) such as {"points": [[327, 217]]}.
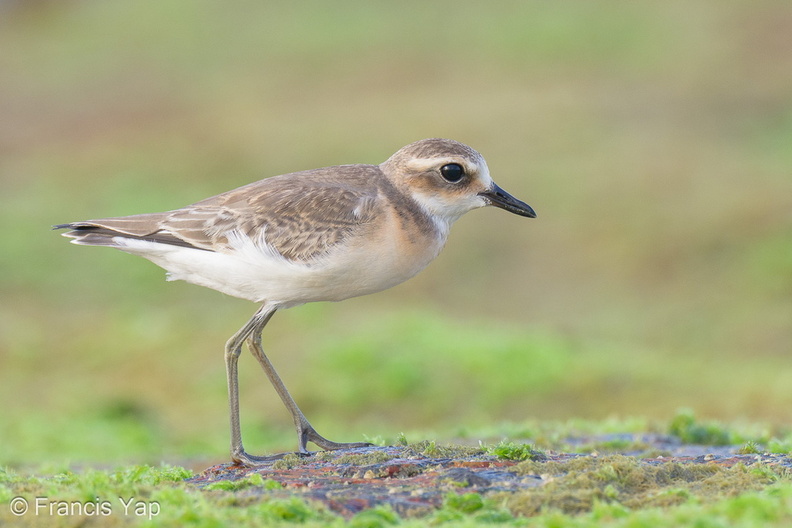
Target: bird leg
{"points": [[232, 350], [251, 333], [305, 431]]}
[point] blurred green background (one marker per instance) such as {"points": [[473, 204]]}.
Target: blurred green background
{"points": [[654, 139]]}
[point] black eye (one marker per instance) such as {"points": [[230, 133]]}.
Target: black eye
{"points": [[453, 172]]}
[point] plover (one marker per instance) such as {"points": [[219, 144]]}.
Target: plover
{"points": [[317, 235]]}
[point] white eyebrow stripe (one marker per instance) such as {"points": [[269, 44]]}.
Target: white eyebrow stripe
{"points": [[425, 164]]}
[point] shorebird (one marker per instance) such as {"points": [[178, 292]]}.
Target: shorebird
{"points": [[317, 235]]}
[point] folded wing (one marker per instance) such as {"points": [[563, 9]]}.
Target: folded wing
{"points": [[301, 216]]}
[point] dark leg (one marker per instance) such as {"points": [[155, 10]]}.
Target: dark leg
{"points": [[251, 333], [305, 431], [232, 350]]}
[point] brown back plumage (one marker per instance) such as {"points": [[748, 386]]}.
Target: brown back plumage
{"points": [[300, 222]]}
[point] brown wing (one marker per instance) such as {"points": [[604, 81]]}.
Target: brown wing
{"points": [[301, 215]]}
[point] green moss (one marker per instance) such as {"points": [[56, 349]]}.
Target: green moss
{"points": [[293, 510], [363, 459], [431, 448], [469, 506], [323, 456], [690, 431], [252, 480], [513, 451], [374, 518], [290, 461], [749, 448], [465, 503], [775, 445], [578, 485]]}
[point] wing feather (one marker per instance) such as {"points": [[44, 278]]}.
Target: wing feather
{"points": [[301, 216]]}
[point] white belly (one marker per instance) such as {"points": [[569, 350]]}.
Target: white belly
{"points": [[250, 271]]}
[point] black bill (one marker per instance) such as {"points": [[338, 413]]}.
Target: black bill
{"points": [[500, 198]]}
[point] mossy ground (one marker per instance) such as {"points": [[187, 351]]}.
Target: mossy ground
{"points": [[611, 491], [577, 486], [582, 489]]}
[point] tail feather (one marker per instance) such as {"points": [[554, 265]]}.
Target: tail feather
{"points": [[94, 234]]}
